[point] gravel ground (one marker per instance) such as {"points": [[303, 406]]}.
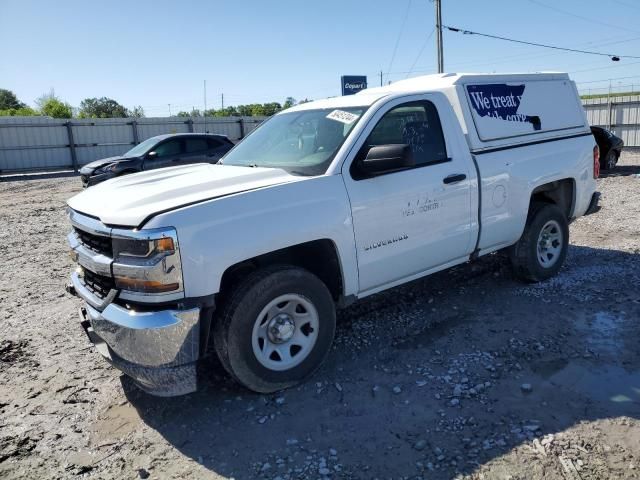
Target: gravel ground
{"points": [[465, 374]]}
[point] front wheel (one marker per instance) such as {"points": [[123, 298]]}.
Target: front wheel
{"points": [[275, 329], [542, 248]]}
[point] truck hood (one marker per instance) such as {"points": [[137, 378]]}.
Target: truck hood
{"points": [[132, 199]]}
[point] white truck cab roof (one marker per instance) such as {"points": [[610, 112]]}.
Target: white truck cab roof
{"points": [[493, 109]]}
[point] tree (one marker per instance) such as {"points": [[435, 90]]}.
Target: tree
{"points": [[193, 113], [225, 112], [56, 109], [289, 102], [306, 100], [269, 109], [8, 100], [101, 108], [19, 112], [44, 98], [244, 110], [136, 112], [256, 109]]}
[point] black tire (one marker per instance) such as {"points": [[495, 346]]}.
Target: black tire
{"points": [[524, 254], [610, 160], [232, 335]]}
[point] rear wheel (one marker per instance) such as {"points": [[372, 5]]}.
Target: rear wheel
{"points": [[275, 329], [542, 249]]}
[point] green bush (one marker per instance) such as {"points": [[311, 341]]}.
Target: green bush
{"points": [[19, 112], [56, 109]]}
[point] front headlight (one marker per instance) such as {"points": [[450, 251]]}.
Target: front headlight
{"points": [[147, 262], [145, 248]]}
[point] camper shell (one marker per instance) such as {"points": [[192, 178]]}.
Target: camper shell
{"points": [[505, 109]]}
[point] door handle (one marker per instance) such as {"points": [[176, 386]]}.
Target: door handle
{"points": [[455, 178]]}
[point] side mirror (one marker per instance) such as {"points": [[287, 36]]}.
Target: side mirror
{"points": [[151, 155], [387, 158]]}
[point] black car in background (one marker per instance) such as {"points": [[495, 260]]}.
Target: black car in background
{"points": [[610, 147], [158, 152]]}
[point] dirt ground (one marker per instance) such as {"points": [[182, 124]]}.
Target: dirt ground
{"points": [[465, 374]]}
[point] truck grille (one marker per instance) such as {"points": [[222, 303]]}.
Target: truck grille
{"points": [[97, 243], [99, 285]]}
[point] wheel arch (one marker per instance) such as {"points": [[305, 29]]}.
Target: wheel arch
{"points": [[561, 193], [320, 257]]}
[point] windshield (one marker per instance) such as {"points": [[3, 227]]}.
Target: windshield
{"points": [[302, 143], [141, 148]]}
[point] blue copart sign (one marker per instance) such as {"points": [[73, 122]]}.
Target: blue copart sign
{"points": [[353, 84]]}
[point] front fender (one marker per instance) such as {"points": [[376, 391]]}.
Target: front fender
{"points": [[219, 233]]}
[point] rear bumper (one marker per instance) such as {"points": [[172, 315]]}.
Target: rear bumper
{"points": [[594, 205], [158, 349]]}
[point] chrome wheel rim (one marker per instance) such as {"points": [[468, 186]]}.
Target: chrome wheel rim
{"points": [[285, 332], [549, 244]]}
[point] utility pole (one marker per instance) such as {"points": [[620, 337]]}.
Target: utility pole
{"points": [[380, 77], [222, 100], [439, 36], [169, 109], [204, 113]]}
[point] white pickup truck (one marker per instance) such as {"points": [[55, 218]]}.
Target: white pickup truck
{"points": [[323, 204]]}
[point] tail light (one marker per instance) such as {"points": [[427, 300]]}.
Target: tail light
{"points": [[596, 162]]}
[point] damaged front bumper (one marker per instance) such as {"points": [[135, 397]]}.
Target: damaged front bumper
{"points": [[90, 179], [158, 349], [155, 340]]}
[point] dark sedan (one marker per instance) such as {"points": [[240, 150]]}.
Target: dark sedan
{"points": [[158, 152], [610, 147]]}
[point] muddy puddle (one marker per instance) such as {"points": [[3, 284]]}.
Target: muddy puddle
{"points": [[610, 384]]}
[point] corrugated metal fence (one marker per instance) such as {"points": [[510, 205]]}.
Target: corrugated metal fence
{"points": [[39, 143], [620, 114]]}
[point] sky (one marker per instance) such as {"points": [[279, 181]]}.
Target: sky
{"points": [[156, 53]]}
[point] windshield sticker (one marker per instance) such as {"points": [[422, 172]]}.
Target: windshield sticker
{"points": [[344, 117], [501, 101]]}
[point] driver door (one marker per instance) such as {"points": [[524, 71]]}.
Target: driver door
{"points": [[409, 221]]}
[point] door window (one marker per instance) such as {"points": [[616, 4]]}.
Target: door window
{"points": [[213, 143], [416, 124], [195, 145], [166, 149]]}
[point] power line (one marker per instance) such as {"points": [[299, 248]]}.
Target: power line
{"points": [[605, 68], [424, 45], [620, 2], [511, 58], [395, 48], [508, 59], [613, 57], [580, 17], [608, 80]]}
